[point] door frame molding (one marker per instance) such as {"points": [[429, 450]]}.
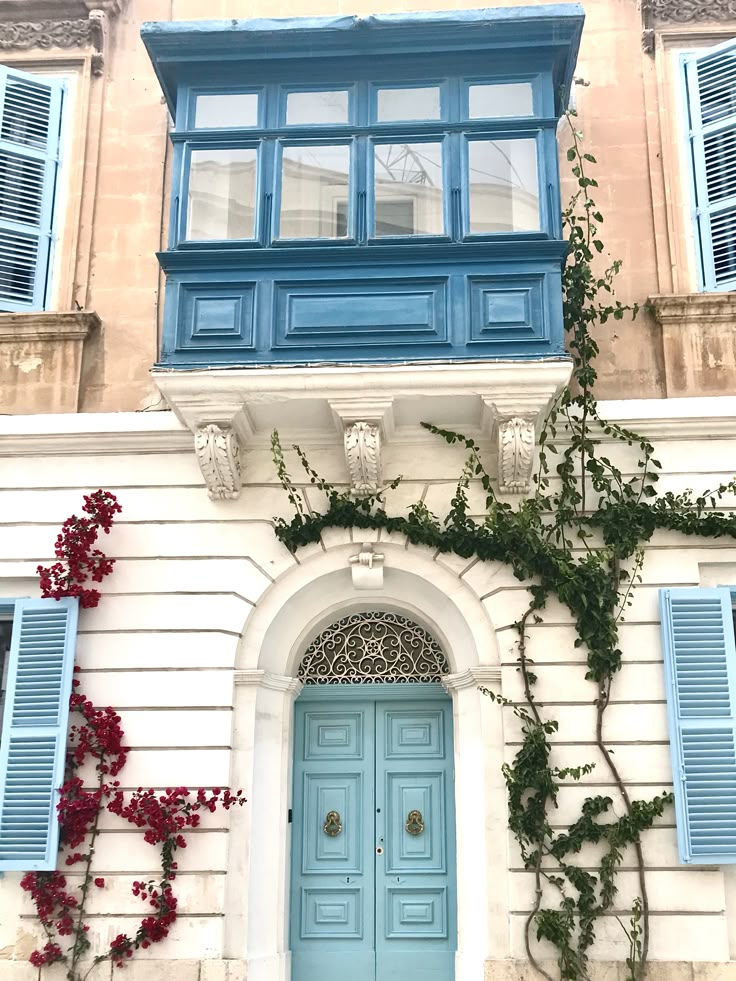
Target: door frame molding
{"points": [[301, 603]]}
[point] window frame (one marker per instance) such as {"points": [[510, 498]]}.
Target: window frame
{"points": [[45, 231], [363, 130], [695, 132]]}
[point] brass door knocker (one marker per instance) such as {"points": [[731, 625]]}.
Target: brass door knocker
{"points": [[332, 825], [414, 823]]}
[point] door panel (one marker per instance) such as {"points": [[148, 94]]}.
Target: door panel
{"points": [[415, 883], [374, 900], [332, 874]]}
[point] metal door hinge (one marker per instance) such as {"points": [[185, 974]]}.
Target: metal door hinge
{"points": [[289, 816]]}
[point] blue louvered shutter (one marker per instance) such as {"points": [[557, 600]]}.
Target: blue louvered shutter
{"points": [[710, 80], [700, 666], [30, 117], [33, 741]]}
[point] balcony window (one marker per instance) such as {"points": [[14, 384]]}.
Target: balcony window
{"points": [[363, 163], [408, 189], [222, 194], [315, 183], [503, 185]]}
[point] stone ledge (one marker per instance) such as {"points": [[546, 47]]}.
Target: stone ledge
{"points": [[73, 326], [698, 342], [41, 356]]}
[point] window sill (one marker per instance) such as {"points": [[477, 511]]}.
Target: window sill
{"points": [[41, 357], [698, 342]]}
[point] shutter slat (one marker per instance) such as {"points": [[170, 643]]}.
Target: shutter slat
{"points": [[33, 745], [700, 702], [711, 91], [30, 112]]}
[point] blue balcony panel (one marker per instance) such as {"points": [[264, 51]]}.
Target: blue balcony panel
{"points": [[241, 309]]}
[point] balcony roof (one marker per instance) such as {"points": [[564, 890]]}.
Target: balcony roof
{"points": [[180, 50]]}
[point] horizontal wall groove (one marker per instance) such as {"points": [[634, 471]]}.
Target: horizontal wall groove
{"points": [[122, 631]]}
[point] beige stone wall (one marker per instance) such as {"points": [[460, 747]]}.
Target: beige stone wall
{"points": [[628, 104]]}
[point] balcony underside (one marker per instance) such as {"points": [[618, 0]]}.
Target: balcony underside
{"points": [[362, 406]]}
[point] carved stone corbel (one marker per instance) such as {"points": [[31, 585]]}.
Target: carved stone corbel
{"points": [[218, 455], [516, 440], [363, 455]]}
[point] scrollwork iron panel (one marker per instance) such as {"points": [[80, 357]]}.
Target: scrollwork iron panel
{"points": [[371, 648]]}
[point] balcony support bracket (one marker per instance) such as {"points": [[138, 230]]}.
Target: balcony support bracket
{"points": [[218, 455], [364, 423], [514, 431]]}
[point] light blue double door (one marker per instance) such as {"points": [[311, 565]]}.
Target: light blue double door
{"points": [[373, 895]]}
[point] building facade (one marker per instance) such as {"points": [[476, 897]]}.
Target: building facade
{"points": [[340, 223]]}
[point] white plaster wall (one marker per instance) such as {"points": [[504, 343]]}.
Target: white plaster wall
{"points": [[173, 628]]}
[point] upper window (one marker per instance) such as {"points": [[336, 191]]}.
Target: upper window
{"points": [[710, 81], [362, 162], [30, 121]]}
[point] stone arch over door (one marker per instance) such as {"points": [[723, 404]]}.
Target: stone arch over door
{"points": [[299, 605]]}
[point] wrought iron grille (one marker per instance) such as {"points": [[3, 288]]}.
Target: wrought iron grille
{"points": [[373, 647]]}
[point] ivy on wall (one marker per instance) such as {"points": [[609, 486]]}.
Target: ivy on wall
{"points": [[580, 538]]}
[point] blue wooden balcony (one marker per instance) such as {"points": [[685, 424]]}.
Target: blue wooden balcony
{"points": [[365, 190]]}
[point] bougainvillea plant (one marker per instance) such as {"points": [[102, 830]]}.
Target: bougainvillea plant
{"points": [[96, 739]]}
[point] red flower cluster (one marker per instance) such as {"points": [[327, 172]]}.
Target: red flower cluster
{"points": [[79, 561], [52, 901], [51, 952], [166, 815]]}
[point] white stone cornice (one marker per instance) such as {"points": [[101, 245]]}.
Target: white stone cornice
{"points": [[93, 434], [218, 455], [475, 677], [267, 679]]}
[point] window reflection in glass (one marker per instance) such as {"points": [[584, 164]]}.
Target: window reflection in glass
{"points": [[220, 111], [504, 193], [499, 101], [222, 194], [408, 189], [416, 103], [314, 189], [313, 108]]}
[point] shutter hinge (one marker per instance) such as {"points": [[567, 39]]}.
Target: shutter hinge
{"points": [[289, 816]]}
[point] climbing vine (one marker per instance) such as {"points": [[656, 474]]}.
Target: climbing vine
{"points": [[579, 537]]}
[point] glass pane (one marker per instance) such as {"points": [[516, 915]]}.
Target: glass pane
{"points": [[408, 184], [316, 107], [504, 194], [222, 194], [218, 111], [496, 101], [314, 191], [396, 104]]}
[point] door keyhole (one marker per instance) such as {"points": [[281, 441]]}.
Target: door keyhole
{"points": [[379, 850]]}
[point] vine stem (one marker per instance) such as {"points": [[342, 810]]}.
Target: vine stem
{"points": [[538, 889], [79, 932], [602, 703]]}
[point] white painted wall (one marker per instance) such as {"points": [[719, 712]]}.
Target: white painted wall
{"points": [[204, 599]]}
